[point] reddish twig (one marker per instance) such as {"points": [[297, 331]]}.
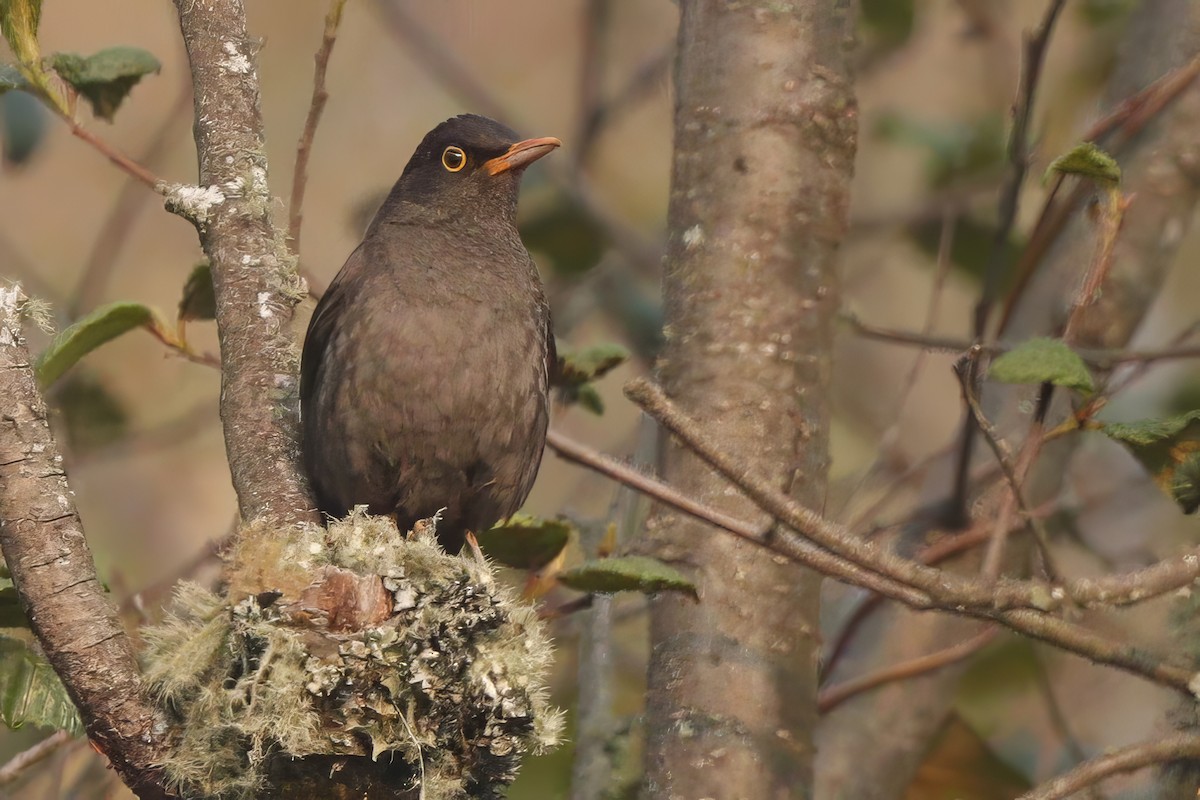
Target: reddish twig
{"points": [[833, 696], [333, 19], [115, 228]]}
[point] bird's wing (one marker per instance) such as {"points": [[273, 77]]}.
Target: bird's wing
{"points": [[323, 323]]}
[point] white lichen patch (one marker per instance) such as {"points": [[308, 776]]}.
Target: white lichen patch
{"points": [[194, 202], [264, 305], [237, 63], [693, 237]]}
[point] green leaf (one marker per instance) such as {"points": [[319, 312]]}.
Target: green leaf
{"points": [[19, 19], [199, 301], [106, 77], [1169, 449], [627, 574], [1042, 361], [578, 368], [31, 693], [102, 325], [526, 542], [1088, 161]]}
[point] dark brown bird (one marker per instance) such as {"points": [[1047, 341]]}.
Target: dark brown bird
{"points": [[424, 379]]}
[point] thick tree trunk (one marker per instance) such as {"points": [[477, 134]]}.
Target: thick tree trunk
{"points": [[765, 127]]}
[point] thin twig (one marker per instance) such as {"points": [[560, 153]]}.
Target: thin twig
{"points": [[649, 75], [936, 553], [319, 97], [16, 766], [124, 162], [597, 15], [1115, 762], [1058, 717], [791, 546], [833, 696], [1019, 605], [1015, 475], [1099, 358], [1010, 195], [891, 435], [114, 231]]}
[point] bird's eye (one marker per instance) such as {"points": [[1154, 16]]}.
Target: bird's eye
{"points": [[453, 158]]}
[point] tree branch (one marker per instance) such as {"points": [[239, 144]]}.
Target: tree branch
{"points": [[43, 544], [1127, 759], [254, 276]]}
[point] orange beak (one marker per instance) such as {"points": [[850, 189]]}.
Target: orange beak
{"points": [[521, 155]]}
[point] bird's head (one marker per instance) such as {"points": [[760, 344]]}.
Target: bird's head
{"points": [[467, 165]]}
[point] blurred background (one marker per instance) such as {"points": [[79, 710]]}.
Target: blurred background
{"points": [[936, 82]]}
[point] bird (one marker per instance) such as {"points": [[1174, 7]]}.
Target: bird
{"points": [[427, 363]]}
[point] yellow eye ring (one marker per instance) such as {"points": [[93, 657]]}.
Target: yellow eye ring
{"points": [[453, 158]]}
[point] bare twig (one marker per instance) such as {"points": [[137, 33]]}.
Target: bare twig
{"points": [[130, 200], [1015, 474], [43, 544], [16, 766], [1058, 717], [793, 547], [596, 17], [1126, 759], [1018, 605], [122, 161], [649, 75], [833, 696], [319, 97], [891, 435], [1010, 194]]}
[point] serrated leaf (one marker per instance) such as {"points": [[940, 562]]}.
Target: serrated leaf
{"points": [[627, 574], [73, 343], [526, 542], [199, 301], [1043, 361], [19, 19], [106, 77], [30, 692], [1169, 449], [1088, 161]]}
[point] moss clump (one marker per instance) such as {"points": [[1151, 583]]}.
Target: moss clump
{"points": [[449, 680]]}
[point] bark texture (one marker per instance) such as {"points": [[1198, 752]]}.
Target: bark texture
{"points": [[254, 275], [43, 544], [872, 747], [765, 127]]}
